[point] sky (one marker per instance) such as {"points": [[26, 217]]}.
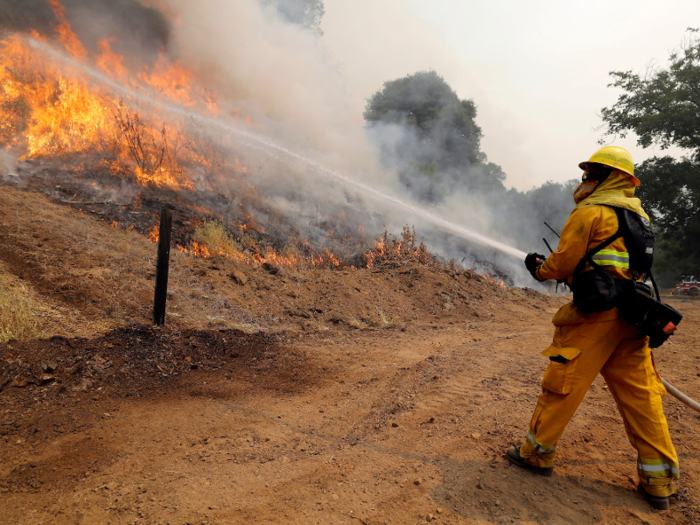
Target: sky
{"points": [[538, 71]]}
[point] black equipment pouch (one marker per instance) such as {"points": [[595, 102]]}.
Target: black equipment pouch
{"points": [[594, 291], [640, 308]]}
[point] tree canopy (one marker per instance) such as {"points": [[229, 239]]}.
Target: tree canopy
{"points": [[305, 13], [430, 135], [670, 191], [663, 107]]}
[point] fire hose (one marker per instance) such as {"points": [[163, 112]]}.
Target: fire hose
{"points": [[680, 395]]}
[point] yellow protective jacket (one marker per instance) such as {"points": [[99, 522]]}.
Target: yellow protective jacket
{"points": [[591, 223]]}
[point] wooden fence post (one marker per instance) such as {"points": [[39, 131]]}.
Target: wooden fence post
{"points": [[162, 266]]}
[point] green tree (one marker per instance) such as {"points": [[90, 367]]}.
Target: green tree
{"points": [[305, 13], [430, 135], [670, 191], [663, 107]]}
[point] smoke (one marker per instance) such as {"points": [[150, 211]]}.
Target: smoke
{"points": [[429, 166], [8, 161], [275, 72], [282, 77]]}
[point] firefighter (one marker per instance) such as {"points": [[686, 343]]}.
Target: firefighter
{"points": [[586, 344]]}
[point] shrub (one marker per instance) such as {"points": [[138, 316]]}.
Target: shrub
{"points": [[216, 238]]}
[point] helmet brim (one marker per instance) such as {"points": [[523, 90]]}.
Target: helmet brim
{"points": [[635, 180]]}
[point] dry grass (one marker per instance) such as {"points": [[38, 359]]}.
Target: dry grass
{"points": [[505, 293], [449, 303], [17, 316], [392, 251], [358, 324], [382, 321], [91, 269], [372, 322], [216, 239], [247, 328], [217, 321]]}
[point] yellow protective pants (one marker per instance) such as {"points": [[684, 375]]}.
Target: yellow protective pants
{"points": [[621, 354]]}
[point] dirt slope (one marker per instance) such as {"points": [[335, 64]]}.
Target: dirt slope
{"points": [[103, 277], [384, 397]]}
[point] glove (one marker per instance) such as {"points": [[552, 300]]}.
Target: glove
{"points": [[532, 262]]}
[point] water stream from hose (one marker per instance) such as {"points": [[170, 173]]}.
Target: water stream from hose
{"points": [[283, 153]]}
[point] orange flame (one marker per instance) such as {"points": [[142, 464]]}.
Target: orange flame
{"points": [[178, 84], [389, 249], [153, 234], [268, 256], [66, 36], [50, 109], [494, 280], [47, 111], [108, 61]]}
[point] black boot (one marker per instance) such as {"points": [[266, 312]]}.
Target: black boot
{"points": [[513, 455], [657, 502]]}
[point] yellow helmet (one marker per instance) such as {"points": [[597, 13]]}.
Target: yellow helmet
{"points": [[614, 157]]}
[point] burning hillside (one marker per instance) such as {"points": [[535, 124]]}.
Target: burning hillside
{"points": [[105, 133], [122, 135]]}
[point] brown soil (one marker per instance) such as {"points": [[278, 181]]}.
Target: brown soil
{"points": [[308, 396]]}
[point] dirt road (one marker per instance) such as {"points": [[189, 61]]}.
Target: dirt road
{"points": [[380, 427]]}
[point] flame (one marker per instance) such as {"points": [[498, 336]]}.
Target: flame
{"points": [[236, 113], [392, 250], [250, 224], [332, 258], [494, 280], [371, 255], [255, 256], [51, 109], [153, 234], [108, 61], [169, 78], [50, 113], [66, 36]]}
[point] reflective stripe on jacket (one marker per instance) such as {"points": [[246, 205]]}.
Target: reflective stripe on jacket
{"points": [[612, 258]]}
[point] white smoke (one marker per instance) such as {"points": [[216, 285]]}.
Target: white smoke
{"points": [[8, 161], [275, 72]]}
